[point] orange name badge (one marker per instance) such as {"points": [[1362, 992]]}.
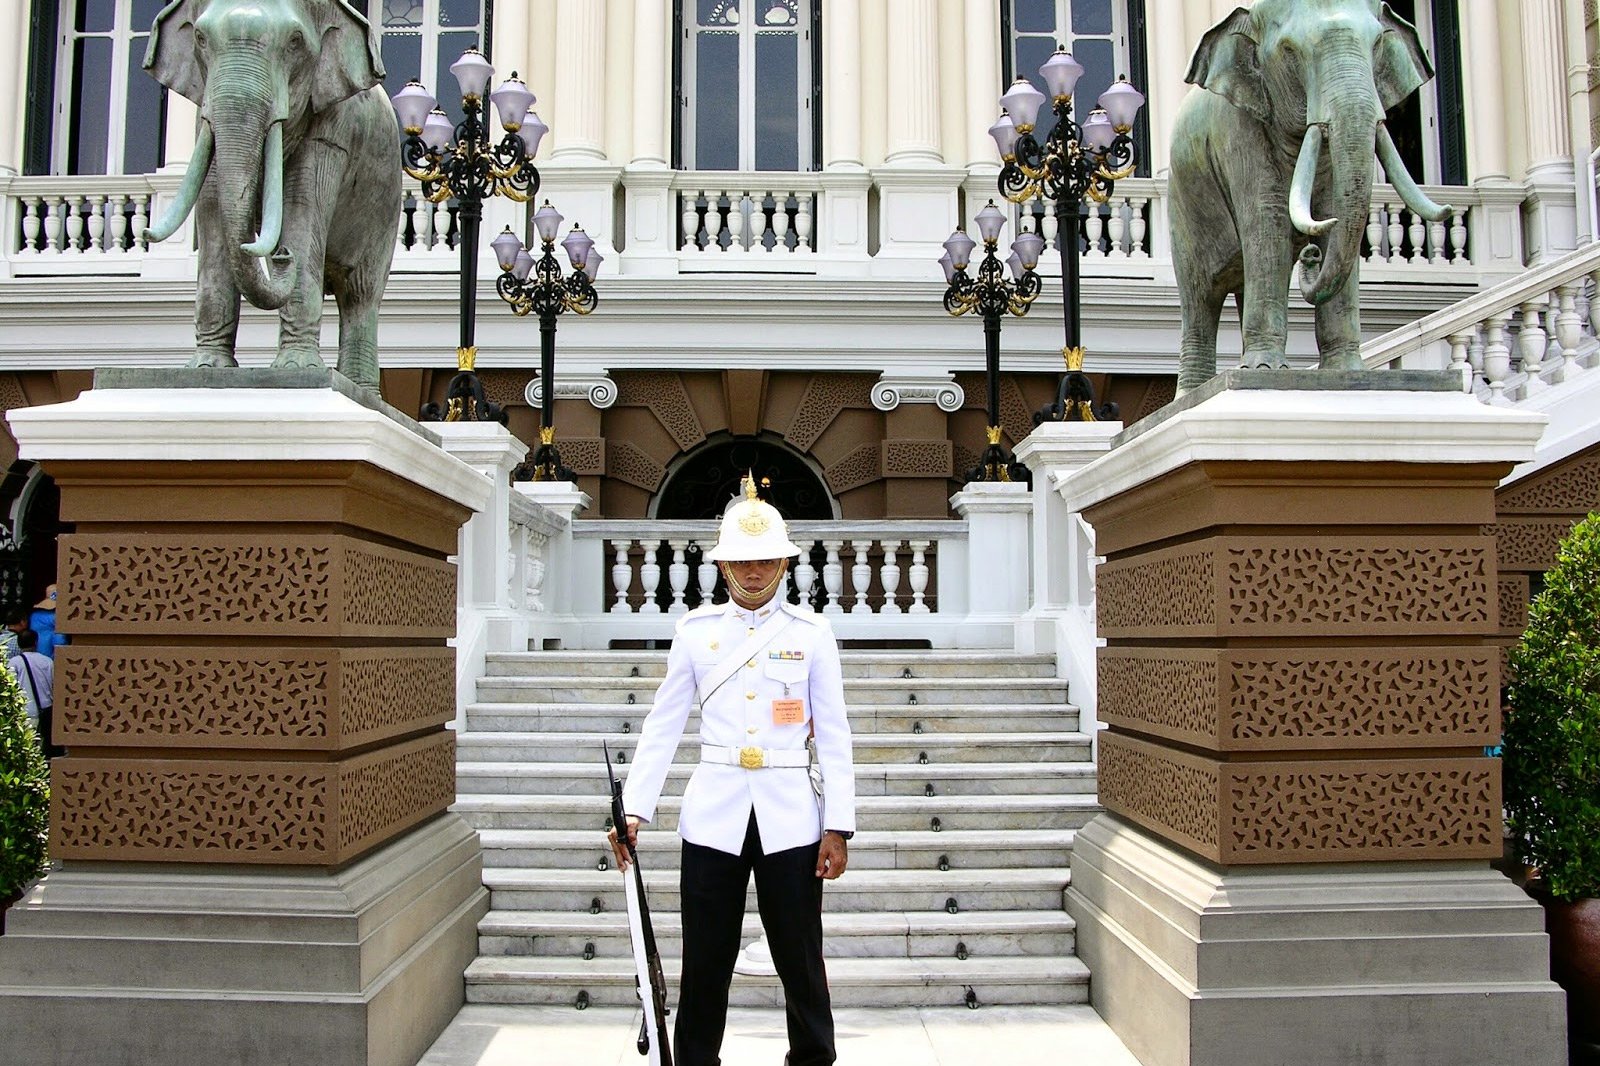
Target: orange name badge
{"points": [[788, 712]]}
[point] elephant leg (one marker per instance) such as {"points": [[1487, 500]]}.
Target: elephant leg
{"points": [[1197, 349], [358, 342], [310, 182], [216, 305], [1339, 328], [1264, 311]]}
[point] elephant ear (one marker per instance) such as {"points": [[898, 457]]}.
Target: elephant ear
{"points": [[1226, 63], [170, 56], [1399, 65], [349, 61]]}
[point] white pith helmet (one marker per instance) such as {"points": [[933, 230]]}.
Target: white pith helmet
{"points": [[752, 530]]}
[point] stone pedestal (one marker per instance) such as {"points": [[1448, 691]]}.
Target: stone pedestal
{"points": [[258, 862], [997, 515], [1299, 600], [563, 558]]}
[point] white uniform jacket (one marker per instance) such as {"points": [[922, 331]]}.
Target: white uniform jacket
{"points": [[797, 660]]}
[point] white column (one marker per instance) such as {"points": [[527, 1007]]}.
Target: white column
{"points": [[1544, 85], [841, 90], [913, 71], [490, 449], [652, 92], [572, 577], [13, 82], [578, 125], [182, 115], [997, 515], [981, 54], [1170, 53], [1483, 99], [511, 42]]}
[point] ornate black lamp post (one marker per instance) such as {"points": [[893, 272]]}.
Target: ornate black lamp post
{"points": [[462, 162], [1074, 162], [992, 295], [537, 286]]}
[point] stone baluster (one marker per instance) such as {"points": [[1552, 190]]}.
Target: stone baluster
{"points": [[1375, 233], [1438, 254], [1459, 345], [31, 209], [833, 578], [1396, 233], [751, 207], [75, 220], [1475, 354], [889, 577], [533, 580], [1117, 227], [805, 575], [1497, 359], [1458, 238], [1140, 227], [1049, 226], [802, 222], [407, 208], [118, 244], [141, 220], [52, 227], [1094, 228], [1568, 331], [96, 208], [650, 577], [1417, 230], [1531, 345], [706, 576], [861, 576], [621, 576], [678, 575], [919, 577]]}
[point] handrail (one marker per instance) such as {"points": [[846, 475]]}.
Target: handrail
{"points": [[1534, 283]]}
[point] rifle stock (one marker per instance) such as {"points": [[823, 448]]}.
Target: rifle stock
{"points": [[653, 1039]]}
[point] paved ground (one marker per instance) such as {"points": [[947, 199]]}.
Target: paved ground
{"points": [[485, 1035]]}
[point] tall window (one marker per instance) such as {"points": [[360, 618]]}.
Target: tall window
{"points": [[421, 38], [747, 88], [109, 115], [1429, 125], [1105, 36]]}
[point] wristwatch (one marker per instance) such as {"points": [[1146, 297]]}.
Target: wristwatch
{"points": [[841, 834]]}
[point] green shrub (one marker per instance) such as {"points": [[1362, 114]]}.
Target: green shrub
{"points": [[24, 793], [1552, 728]]}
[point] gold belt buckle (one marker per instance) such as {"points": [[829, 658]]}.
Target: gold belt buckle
{"points": [[752, 758]]}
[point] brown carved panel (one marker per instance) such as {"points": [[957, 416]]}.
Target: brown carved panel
{"points": [[1171, 693], [917, 458], [506, 387], [1514, 601], [1569, 488], [1340, 810], [1528, 543], [858, 467], [1272, 586], [626, 461], [664, 393], [585, 455], [262, 699], [825, 396], [211, 585], [246, 811]]}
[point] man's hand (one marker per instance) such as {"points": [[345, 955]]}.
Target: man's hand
{"points": [[832, 856], [616, 845]]}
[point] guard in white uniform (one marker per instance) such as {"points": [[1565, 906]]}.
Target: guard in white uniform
{"points": [[766, 677]]}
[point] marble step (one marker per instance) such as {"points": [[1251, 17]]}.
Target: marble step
{"points": [[870, 891], [865, 719], [884, 934], [940, 748], [874, 814], [477, 777], [499, 688], [653, 664], [852, 982], [960, 849]]}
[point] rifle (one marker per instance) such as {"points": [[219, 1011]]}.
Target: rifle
{"points": [[653, 1039]]}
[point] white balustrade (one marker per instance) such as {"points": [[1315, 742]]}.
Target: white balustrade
{"points": [[748, 215], [84, 221]]}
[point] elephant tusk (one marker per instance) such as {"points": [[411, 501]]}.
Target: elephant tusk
{"points": [[271, 196], [1305, 175], [1401, 179], [189, 191]]}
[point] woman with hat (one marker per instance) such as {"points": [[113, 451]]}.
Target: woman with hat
{"points": [[766, 677], [42, 620]]}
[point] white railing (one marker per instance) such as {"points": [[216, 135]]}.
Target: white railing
{"points": [[747, 215], [533, 530], [1511, 342], [70, 224], [887, 580]]}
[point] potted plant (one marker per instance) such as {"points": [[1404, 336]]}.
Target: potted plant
{"points": [[1552, 773]]}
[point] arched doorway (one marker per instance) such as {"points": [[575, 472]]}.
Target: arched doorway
{"points": [[28, 551], [700, 483]]}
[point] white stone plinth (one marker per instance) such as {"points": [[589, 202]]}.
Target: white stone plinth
{"points": [[565, 595], [998, 515]]}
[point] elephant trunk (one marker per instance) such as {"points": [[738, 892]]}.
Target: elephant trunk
{"points": [[189, 191], [1350, 116], [248, 170]]}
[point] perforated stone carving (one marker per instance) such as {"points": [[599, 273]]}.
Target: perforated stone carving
{"points": [[1528, 544], [383, 586], [1158, 395], [626, 461], [1513, 602], [1015, 418], [382, 691], [506, 387], [917, 458], [11, 394], [1176, 589], [1339, 586], [825, 396], [1355, 812], [1174, 694], [1573, 488], [667, 398], [400, 789], [859, 467], [585, 455], [1160, 791]]}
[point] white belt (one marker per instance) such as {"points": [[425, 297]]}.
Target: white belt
{"points": [[754, 758]]}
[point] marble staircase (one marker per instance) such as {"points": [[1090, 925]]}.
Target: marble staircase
{"points": [[971, 778]]}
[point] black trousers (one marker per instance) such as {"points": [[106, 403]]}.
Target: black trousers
{"points": [[789, 895]]}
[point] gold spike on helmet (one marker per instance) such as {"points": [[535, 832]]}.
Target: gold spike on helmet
{"points": [[751, 530]]}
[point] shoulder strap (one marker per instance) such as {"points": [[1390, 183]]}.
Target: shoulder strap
{"points": [[746, 650], [32, 685]]}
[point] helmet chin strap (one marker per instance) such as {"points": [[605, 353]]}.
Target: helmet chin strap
{"points": [[760, 597]]}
